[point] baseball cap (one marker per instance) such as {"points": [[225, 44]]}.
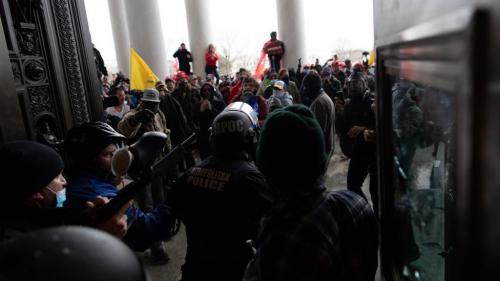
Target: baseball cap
{"points": [[151, 95], [280, 85]]}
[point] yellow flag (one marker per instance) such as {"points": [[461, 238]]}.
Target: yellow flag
{"points": [[371, 59], [141, 76]]}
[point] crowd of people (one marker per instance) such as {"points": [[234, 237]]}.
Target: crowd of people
{"points": [[251, 193]]}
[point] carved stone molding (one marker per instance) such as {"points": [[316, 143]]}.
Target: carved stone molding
{"points": [[16, 70], [71, 63], [40, 100], [35, 71], [27, 39]]}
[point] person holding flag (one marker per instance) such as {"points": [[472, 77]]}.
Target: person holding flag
{"points": [[275, 49]]}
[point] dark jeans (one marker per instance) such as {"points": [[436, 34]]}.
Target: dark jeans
{"points": [[185, 68], [275, 63], [359, 167], [212, 69]]}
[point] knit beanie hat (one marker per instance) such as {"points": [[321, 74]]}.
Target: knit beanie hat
{"points": [[312, 83], [291, 151], [26, 167]]}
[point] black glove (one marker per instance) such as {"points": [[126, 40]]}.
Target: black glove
{"points": [[144, 116]]}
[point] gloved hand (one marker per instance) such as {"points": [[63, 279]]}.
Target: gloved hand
{"points": [[144, 116]]}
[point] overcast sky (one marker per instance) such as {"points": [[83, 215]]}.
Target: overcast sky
{"points": [[245, 25]]}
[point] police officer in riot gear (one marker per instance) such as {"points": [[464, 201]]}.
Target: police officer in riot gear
{"points": [[222, 200], [69, 253]]}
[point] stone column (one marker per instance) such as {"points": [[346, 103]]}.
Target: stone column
{"points": [[197, 12], [121, 38], [146, 35], [291, 30]]}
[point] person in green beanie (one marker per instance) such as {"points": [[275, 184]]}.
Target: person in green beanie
{"points": [[310, 233]]}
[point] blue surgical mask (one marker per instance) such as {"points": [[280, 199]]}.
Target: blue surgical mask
{"points": [[60, 197]]}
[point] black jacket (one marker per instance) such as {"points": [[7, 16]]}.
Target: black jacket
{"points": [[221, 203], [20, 220], [357, 113], [184, 57], [188, 102], [99, 62], [176, 119], [206, 118]]}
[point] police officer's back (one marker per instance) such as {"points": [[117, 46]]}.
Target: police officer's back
{"points": [[222, 200]]}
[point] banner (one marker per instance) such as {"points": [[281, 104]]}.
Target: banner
{"points": [[141, 76]]}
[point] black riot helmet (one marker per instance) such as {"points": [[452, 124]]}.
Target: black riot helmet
{"points": [[84, 142], [234, 131], [69, 253]]}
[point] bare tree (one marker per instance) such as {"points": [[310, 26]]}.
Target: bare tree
{"points": [[342, 48], [226, 57]]}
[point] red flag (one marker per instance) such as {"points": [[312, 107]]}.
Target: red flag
{"points": [[175, 65], [261, 66]]}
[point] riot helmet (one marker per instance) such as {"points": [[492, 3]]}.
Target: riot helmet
{"points": [[84, 142], [69, 253], [234, 131]]}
